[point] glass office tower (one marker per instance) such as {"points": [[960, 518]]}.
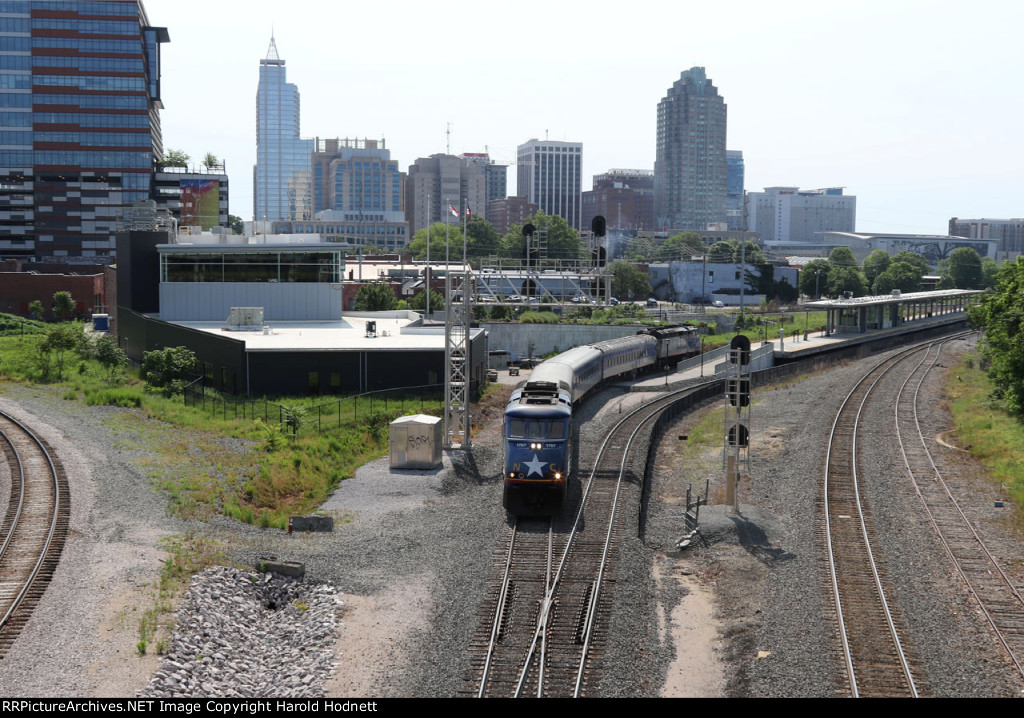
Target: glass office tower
{"points": [[79, 122], [282, 189]]}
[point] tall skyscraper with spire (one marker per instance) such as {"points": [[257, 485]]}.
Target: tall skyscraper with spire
{"points": [[281, 178], [690, 171]]}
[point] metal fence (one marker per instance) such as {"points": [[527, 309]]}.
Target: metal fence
{"points": [[328, 415]]}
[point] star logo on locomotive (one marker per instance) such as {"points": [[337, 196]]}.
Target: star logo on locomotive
{"points": [[535, 466]]}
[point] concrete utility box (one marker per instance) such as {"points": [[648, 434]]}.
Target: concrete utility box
{"points": [[416, 442]]}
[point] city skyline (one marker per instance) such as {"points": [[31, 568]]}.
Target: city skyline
{"points": [[908, 115]]}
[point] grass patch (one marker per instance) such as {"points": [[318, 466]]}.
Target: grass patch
{"points": [[126, 397], [192, 454], [187, 555], [992, 436], [756, 326]]}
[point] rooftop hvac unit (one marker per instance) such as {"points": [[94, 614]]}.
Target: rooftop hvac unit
{"points": [[245, 319]]}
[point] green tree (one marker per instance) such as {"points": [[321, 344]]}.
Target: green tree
{"points": [[168, 369], [236, 224], [175, 158], [720, 252], [58, 342], [563, 241], [899, 275], [501, 313], [964, 268], [63, 306], [35, 309], [842, 257], [375, 297], [989, 272], [914, 259], [418, 301], [436, 232], [876, 263], [483, 239], [681, 247], [628, 281], [210, 161], [814, 278], [1001, 313], [110, 357], [748, 252], [846, 279]]}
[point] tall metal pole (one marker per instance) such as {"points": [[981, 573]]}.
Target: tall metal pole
{"points": [[426, 273]]}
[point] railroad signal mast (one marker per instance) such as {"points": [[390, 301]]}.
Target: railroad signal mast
{"points": [[458, 288], [736, 451]]}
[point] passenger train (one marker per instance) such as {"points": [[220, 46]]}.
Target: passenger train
{"points": [[539, 431]]}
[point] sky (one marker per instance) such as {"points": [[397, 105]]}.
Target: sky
{"points": [[914, 107]]}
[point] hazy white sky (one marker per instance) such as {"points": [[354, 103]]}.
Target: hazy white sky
{"points": [[914, 107]]}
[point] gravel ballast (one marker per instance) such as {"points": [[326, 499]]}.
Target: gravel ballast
{"points": [[405, 569]]}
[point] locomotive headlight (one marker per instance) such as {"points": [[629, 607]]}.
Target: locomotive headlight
{"points": [[534, 447], [558, 475]]}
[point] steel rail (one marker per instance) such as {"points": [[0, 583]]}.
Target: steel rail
{"points": [[996, 569], [847, 651], [30, 580], [592, 608], [549, 596]]}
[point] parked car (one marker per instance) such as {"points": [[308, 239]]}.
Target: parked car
{"points": [[613, 302], [717, 304], [652, 302]]}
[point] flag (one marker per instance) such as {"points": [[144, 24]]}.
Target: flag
{"points": [[455, 212], [469, 212]]}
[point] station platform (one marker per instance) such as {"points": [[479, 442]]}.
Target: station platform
{"points": [[786, 350]]}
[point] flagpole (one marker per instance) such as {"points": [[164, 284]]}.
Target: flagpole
{"points": [[446, 242], [465, 219], [426, 273]]}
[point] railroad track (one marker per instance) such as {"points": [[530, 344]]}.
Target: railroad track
{"points": [[871, 632], [544, 624], [998, 597], [33, 530]]}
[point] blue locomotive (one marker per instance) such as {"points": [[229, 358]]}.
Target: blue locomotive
{"points": [[539, 431]]}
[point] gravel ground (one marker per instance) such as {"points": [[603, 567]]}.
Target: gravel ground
{"points": [[740, 613]]}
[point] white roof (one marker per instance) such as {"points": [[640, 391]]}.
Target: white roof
{"points": [[347, 334], [416, 419]]}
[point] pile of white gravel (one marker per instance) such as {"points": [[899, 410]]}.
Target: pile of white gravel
{"points": [[242, 634]]}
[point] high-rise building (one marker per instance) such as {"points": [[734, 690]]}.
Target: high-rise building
{"points": [[357, 194], [734, 212], [690, 170], [1009, 233], [79, 122], [443, 180], [282, 186], [495, 179], [550, 176], [789, 214]]}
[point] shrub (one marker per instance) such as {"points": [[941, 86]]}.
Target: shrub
{"points": [[168, 369]]}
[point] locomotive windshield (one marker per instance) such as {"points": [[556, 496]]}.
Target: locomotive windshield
{"points": [[536, 429]]}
